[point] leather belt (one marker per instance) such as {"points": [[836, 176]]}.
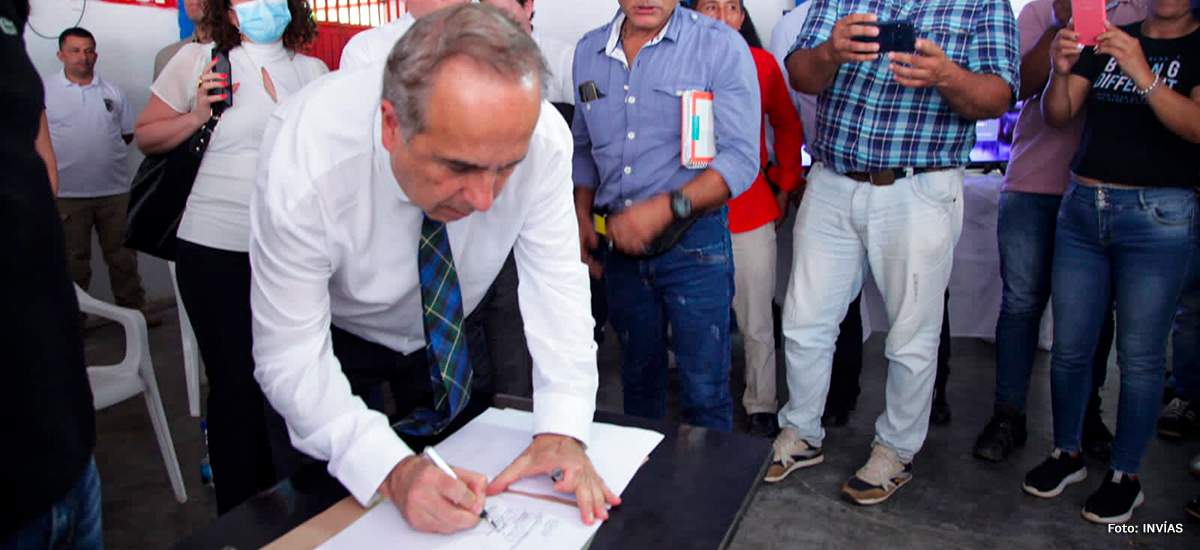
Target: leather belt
{"points": [[889, 176]]}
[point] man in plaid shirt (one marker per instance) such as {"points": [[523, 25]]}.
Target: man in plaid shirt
{"points": [[893, 133]]}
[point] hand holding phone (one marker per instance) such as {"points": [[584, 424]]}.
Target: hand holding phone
{"points": [[844, 44], [894, 36], [222, 66]]}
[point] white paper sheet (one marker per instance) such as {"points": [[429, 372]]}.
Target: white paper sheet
{"points": [[487, 445], [491, 441]]}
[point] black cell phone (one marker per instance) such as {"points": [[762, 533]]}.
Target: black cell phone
{"points": [[222, 67], [894, 36]]}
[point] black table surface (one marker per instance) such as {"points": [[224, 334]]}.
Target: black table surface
{"points": [[691, 494]]}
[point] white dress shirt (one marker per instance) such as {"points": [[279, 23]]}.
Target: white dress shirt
{"points": [[374, 45], [560, 56], [86, 128], [334, 240]]}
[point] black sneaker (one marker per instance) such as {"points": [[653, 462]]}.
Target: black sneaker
{"points": [[1115, 500], [1097, 440], [1052, 476], [763, 425], [1003, 433], [1179, 419], [940, 414]]}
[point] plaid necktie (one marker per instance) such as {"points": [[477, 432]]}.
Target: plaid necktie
{"points": [[445, 339]]}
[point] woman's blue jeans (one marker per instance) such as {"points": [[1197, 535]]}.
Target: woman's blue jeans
{"points": [[1133, 245]]}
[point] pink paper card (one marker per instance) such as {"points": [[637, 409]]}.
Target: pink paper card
{"points": [[1089, 17]]}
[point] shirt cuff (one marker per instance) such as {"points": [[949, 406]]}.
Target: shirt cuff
{"points": [[368, 461], [738, 176], [563, 414]]}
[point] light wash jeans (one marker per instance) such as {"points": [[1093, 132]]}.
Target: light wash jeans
{"points": [[905, 233]]}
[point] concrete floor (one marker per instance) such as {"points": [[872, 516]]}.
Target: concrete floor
{"points": [[953, 502]]}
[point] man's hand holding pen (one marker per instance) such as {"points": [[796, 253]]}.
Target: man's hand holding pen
{"points": [[432, 501]]}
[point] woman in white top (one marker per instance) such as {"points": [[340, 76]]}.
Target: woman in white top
{"points": [[212, 264]]}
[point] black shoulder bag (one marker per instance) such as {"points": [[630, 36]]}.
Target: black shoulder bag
{"points": [[160, 188]]}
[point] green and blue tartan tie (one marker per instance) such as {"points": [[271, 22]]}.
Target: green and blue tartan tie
{"points": [[445, 338]]}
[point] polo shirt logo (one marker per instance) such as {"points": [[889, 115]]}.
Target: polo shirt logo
{"points": [[7, 26], [108, 104]]}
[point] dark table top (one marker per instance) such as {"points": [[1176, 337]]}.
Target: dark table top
{"points": [[691, 494]]}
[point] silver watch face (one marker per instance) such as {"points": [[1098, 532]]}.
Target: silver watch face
{"points": [[681, 207]]}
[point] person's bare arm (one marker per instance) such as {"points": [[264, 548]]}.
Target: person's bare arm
{"points": [[971, 95], [160, 128], [633, 229], [811, 71], [1065, 93], [1035, 65], [46, 151], [1178, 112]]}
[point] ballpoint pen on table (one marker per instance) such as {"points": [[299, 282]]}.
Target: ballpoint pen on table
{"points": [[441, 464]]}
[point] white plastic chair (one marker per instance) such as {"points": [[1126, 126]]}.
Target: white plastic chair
{"points": [[112, 384], [193, 365]]}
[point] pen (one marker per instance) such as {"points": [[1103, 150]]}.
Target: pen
{"points": [[441, 464]]}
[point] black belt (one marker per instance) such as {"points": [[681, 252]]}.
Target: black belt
{"points": [[889, 176]]}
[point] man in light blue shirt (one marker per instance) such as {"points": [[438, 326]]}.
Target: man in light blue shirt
{"points": [[629, 78]]}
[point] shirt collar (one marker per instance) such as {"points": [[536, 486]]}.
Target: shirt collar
{"points": [[669, 31], [66, 82], [383, 157]]}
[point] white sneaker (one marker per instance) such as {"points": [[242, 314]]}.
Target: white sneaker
{"points": [[879, 477], [791, 454]]}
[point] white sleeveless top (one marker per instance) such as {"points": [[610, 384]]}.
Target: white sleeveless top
{"points": [[218, 209]]}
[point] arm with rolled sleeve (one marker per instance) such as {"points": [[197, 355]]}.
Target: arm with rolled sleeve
{"points": [[737, 115], [554, 295], [293, 350]]}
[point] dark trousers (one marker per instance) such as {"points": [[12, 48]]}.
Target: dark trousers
{"points": [[500, 311], [847, 359], [370, 366], [215, 287]]}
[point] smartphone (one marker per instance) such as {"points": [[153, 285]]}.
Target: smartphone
{"points": [[222, 67], [1089, 17], [894, 36]]}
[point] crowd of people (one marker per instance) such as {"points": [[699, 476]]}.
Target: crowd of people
{"points": [[386, 226]]}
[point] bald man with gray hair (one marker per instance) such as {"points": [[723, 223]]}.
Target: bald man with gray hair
{"points": [[388, 201]]}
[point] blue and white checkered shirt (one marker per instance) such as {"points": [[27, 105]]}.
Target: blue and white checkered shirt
{"points": [[866, 121]]}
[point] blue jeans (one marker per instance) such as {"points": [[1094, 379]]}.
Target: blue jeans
{"points": [[72, 523], [1185, 368], [1135, 245], [1025, 231], [689, 287]]}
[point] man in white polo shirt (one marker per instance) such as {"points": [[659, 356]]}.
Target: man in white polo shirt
{"points": [[91, 123]]}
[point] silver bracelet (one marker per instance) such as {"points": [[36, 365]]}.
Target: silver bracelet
{"points": [[1153, 85]]}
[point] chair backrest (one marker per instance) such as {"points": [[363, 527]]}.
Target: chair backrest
{"points": [[112, 384]]}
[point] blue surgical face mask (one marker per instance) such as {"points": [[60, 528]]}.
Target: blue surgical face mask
{"points": [[263, 21]]}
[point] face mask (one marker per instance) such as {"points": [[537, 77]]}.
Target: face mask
{"points": [[263, 21]]}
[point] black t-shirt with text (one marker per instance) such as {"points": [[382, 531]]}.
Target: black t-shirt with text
{"points": [[1124, 141]]}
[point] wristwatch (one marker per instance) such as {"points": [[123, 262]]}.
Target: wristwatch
{"points": [[681, 206]]}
